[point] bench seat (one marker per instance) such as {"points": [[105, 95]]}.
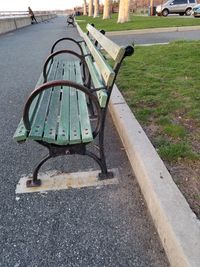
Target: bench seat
{"points": [[59, 115]]}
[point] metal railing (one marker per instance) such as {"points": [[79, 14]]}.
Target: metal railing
{"points": [[12, 14]]}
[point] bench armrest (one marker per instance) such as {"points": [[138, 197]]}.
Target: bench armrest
{"points": [[50, 58], [67, 39], [66, 83]]}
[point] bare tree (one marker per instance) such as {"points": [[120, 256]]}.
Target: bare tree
{"points": [[90, 8], [124, 7], [106, 9], [96, 8], [84, 8]]}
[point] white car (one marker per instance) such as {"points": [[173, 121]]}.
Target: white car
{"points": [[180, 7], [196, 11]]}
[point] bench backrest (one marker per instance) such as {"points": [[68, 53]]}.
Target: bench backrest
{"points": [[93, 47], [104, 68], [116, 52]]}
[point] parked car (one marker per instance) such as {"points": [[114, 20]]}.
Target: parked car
{"points": [[196, 11], [180, 7]]}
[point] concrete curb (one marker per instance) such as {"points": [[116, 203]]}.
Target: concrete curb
{"points": [[78, 29], [177, 225], [154, 30]]}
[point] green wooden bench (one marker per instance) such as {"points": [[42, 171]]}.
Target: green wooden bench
{"points": [[56, 114]]}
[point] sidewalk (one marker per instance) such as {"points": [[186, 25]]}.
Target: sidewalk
{"points": [[97, 226]]}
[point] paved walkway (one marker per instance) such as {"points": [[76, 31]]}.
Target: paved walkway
{"points": [[104, 226]]}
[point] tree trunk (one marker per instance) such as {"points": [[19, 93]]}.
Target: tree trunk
{"points": [[96, 8], [106, 9], [84, 8], [90, 8], [124, 7]]}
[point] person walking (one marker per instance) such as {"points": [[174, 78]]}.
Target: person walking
{"points": [[32, 16]]}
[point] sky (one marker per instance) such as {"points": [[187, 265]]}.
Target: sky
{"points": [[22, 5]]}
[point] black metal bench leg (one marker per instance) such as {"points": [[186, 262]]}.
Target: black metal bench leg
{"points": [[70, 23], [35, 181], [104, 172]]}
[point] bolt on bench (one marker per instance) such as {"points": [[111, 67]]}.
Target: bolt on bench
{"points": [[57, 112]]}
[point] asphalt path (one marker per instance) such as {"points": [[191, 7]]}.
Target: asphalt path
{"points": [[153, 38], [97, 226]]}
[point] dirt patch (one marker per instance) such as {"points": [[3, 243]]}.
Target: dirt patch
{"points": [[185, 173]]}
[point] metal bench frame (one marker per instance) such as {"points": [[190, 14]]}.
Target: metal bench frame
{"points": [[88, 87], [70, 20]]}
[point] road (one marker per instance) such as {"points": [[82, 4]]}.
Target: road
{"points": [[96, 226], [152, 38]]}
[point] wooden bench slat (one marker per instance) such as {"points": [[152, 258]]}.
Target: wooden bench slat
{"points": [[86, 131], [38, 124], [74, 134], [21, 132], [50, 129], [37, 127], [105, 69], [96, 78], [85, 126], [102, 97], [114, 50], [63, 126]]}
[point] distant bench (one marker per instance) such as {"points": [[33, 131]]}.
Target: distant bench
{"points": [[58, 113], [70, 20]]}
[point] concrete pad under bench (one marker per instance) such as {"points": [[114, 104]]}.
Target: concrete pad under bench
{"points": [[53, 180]]}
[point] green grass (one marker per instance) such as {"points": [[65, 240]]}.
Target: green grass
{"points": [[176, 151], [162, 86], [173, 151], [176, 131], [136, 22]]}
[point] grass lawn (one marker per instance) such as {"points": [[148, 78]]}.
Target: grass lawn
{"points": [[162, 87], [137, 22]]}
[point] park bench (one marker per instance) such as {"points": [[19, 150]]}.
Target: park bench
{"points": [[57, 113], [70, 20]]}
